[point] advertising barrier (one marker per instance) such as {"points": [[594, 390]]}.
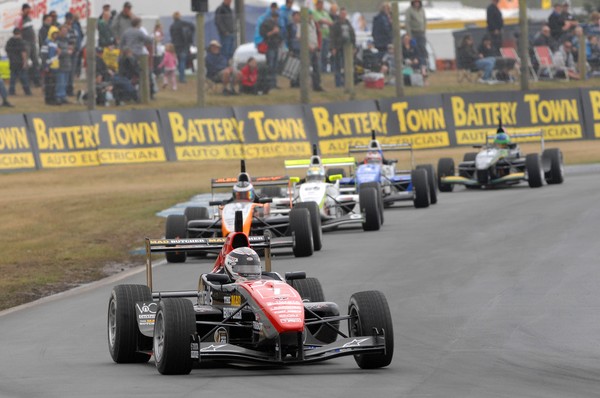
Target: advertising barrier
{"points": [[77, 139]]}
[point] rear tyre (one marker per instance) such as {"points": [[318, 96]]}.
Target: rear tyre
{"points": [[553, 162], [369, 310], [124, 337], [271, 192], [377, 186], [176, 229], [534, 170], [196, 213], [420, 188], [310, 289], [315, 222], [369, 206], [175, 323], [335, 170], [445, 169], [431, 181], [301, 231]]}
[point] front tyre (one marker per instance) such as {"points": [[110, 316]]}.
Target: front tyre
{"points": [[432, 181], [124, 337], [369, 310], [315, 222], [377, 186], [301, 230], [534, 170], [553, 162], [420, 188], [174, 324], [369, 207]]}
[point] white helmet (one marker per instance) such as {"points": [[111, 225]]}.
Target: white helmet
{"points": [[243, 262]]}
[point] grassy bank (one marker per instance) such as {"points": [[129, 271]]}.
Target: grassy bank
{"points": [[65, 227]]}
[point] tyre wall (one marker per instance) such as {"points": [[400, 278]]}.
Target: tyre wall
{"points": [[74, 139]]}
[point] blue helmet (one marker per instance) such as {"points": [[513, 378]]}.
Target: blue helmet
{"points": [[502, 139]]}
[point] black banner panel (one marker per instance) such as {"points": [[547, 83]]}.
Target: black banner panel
{"points": [[420, 121], [201, 134], [273, 131], [16, 147], [340, 124], [590, 100], [129, 137], [556, 113], [68, 139]]}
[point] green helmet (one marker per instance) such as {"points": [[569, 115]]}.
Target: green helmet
{"points": [[502, 139]]}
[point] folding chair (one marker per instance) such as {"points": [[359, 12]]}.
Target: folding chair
{"points": [[511, 53], [464, 73], [543, 54]]}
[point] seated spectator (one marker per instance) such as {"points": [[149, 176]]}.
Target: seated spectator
{"points": [[218, 69], [410, 55], [104, 82], [503, 65], [593, 52], [127, 78], [371, 59], [563, 60], [388, 64], [468, 58], [544, 38], [253, 80], [593, 27]]}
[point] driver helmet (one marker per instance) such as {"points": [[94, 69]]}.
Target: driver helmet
{"points": [[243, 190], [502, 140], [373, 157], [315, 174], [243, 262]]}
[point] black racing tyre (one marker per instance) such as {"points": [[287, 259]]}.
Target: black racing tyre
{"points": [[420, 188], [176, 229], [469, 156], [377, 187], [310, 289], [554, 164], [432, 181], [174, 324], [124, 337], [270, 192], [369, 206], [533, 166], [369, 310], [196, 213], [445, 169], [335, 170], [315, 222], [301, 230]]}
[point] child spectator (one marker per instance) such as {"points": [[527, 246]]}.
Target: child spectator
{"points": [[50, 64], [169, 63], [17, 58]]}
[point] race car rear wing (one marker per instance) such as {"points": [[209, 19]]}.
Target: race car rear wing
{"points": [[327, 162], [207, 245], [229, 182], [404, 146], [523, 135]]}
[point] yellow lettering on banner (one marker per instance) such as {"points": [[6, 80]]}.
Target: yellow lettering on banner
{"points": [[288, 129], [551, 133], [124, 134], [277, 149], [197, 131], [597, 130], [417, 120], [419, 141], [12, 138], [482, 113], [209, 152], [51, 160], [131, 155], [551, 111], [11, 161], [595, 101], [348, 124], [66, 137]]}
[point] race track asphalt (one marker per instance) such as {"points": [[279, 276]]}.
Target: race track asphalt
{"points": [[492, 294]]}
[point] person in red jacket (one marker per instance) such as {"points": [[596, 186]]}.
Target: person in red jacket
{"points": [[252, 81]]}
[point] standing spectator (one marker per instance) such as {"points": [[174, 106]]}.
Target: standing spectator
{"points": [[25, 24], [313, 48], [4, 95], [259, 21], [568, 16], [17, 51], [469, 59], [563, 59], [54, 16], [135, 39], [334, 11], [50, 65], [341, 33], [495, 23], [225, 22], [158, 49], [218, 69], [251, 79], [382, 28], [169, 63], [557, 22], [416, 24], [122, 22], [76, 40], [105, 34], [324, 22], [43, 32], [285, 16], [65, 54], [271, 34], [182, 34]]}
